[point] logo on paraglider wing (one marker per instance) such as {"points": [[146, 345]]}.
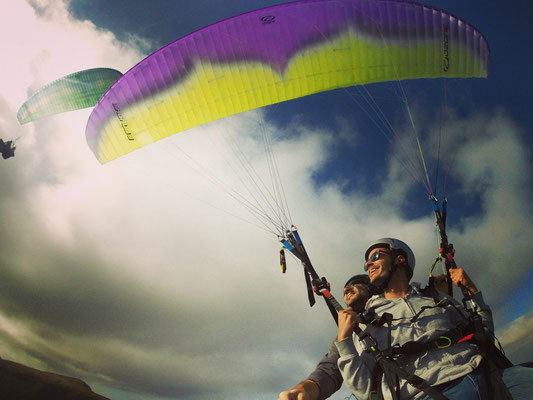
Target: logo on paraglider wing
{"points": [[268, 19], [123, 122], [446, 58]]}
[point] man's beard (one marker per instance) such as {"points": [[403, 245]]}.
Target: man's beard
{"points": [[383, 280], [358, 303]]}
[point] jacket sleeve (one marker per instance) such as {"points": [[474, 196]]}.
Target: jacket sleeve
{"points": [[483, 310], [327, 374], [356, 367]]}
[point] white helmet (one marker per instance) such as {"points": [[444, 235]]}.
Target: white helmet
{"points": [[394, 244]]}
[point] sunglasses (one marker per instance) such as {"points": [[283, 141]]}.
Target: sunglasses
{"points": [[376, 256]]}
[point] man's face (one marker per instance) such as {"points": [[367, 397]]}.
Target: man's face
{"points": [[356, 296], [379, 269]]}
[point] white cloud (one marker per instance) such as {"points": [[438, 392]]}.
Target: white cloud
{"points": [[517, 339]]}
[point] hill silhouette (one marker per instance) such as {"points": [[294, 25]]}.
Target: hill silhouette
{"points": [[20, 382]]}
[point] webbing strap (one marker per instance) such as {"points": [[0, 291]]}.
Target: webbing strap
{"points": [[391, 371], [391, 368]]}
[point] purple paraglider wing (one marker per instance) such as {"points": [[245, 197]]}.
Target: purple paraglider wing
{"points": [[276, 54]]}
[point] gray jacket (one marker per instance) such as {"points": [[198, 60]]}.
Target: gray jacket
{"points": [[436, 366], [327, 374]]}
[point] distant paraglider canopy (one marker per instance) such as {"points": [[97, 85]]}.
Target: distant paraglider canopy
{"points": [[72, 92]]}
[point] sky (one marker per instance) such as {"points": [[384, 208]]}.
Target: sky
{"points": [[146, 280]]}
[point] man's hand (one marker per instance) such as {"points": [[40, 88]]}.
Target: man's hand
{"points": [[348, 319], [305, 390], [459, 276]]}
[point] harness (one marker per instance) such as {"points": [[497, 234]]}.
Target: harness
{"points": [[391, 375], [468, 329], [386, 366]]}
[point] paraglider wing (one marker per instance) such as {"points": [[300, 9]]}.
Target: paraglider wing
{"points": [[277, 54], [72, 92]]}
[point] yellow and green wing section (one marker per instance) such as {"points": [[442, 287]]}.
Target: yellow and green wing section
{"points": [[72, 92], [277, 54]]}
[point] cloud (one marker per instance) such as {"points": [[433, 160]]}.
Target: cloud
{"points": [[517, 339], [138, 276]]}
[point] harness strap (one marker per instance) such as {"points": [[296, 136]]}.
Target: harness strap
{"points": [[454, 336], [470, 328], [388, 368], [392, 372]]}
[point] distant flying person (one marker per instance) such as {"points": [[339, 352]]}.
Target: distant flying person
{"points": [[7, 149]]}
